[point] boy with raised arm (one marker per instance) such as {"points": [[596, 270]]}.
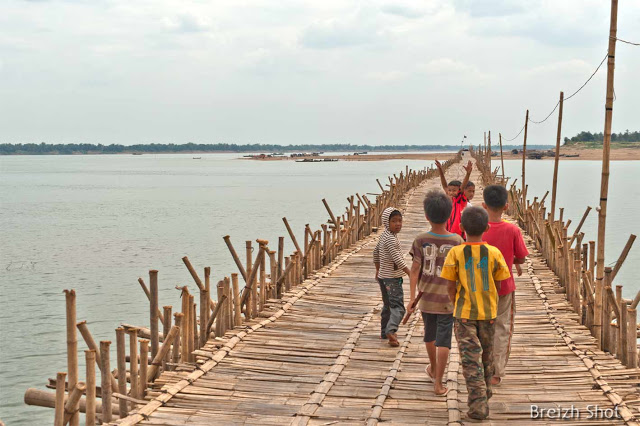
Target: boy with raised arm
{"points": [[390, 268], [456, 191], [508, 239], [474, 270], [429, 250]]}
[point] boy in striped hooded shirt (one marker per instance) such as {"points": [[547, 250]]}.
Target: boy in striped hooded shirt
{"points": [[390, 268]]}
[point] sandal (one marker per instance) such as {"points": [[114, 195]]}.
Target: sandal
{"points": [[443, 393], [429, 373]]}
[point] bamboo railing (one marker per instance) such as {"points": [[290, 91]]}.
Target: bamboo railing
{"points": [[164, 346], [573, 261]]}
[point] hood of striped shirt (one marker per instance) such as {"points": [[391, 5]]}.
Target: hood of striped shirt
{"points": [[385, 216]]}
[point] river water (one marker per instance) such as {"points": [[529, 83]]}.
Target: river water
{"points": [[97, 223]]}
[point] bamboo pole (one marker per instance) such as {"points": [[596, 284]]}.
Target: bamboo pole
{"points": [[175, 354], [622, 326], [215, 313], [236, 259], [247, 289], [72, 406], [60, 397], [632, 349], [193, 329], [220, 322], [623, 256], [122, 371], [133, 362], [146, 291], [557, 160], [604, 183], [186, 315], [501, 156], [105, 380], [90, 362], [204, 312], [237, 318], [287, 274], [280, 257], [166, 326], [42, 398], [193, 273], [229, 308], [153, 289], [72, 348], [144, 363], [333, 218], [154, 369], [524, 157], [251, 285], [606, 312], [91, 344], [579, 227]]}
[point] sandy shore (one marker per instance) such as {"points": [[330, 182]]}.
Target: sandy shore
{"points": [[584, 154]]}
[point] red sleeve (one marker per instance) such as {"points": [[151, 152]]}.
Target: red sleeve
{"points": [[460, 198], [519, 248]]}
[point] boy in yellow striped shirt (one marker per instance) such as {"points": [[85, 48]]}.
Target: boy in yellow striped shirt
{"points": [[474, 270]]}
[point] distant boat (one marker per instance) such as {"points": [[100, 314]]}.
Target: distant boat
{"points": [[197, 158], [137, 153]]}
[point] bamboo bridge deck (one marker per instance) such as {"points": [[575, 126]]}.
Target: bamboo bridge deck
{"points": [[315, 357]]}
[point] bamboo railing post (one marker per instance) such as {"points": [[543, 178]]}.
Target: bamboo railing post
{"points": [[61, 380], [291, 234], [632, 345], [287, 278], [219, 321], [154, 369], [166, 326], [252, 306], [105, 380], [524, 157], [604, 183], [91, 344], [273, 272], [263, 277], [90, 380], [237, 317], [501, 158], [623, 256], [186, 320], [557, 159], [606, 314], [153, 289], [121, 357], [72, 348], [236, 259], [193, 273], [280, 257], [307, 249], [175, 354], [622, 327], [193, 328], [228, 309], [148, 294], [72, 406], [204, 307], [144, 364], [133, 363]]}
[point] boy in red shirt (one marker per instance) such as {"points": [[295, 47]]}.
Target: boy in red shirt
{"points": [[456, 190], [508, 239]]}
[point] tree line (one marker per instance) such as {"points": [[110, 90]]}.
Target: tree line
{"points": [[625, 137], [86, 148]]}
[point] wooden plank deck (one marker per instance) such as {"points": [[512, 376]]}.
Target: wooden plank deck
{"points": [[315, 357]]}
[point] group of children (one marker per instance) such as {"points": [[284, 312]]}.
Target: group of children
{"points": [[462, 271]]}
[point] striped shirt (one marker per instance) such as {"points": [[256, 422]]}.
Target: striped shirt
{"points": [[388, 252], [476, 267]]}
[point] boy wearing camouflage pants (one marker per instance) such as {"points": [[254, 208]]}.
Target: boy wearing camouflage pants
{"points": [[473, 270]]}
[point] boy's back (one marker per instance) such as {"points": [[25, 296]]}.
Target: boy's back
{"points": [[507, 238], [430, 250], [476, 267]]}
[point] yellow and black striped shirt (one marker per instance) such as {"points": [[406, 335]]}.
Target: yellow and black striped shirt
{"points": [[476, 267]]}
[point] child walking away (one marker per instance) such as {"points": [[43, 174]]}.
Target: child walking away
{"points": [[456, 191], [390, 268], [508, 239], [477, 267], [429, 250]]}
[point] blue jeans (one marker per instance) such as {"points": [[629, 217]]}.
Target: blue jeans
{"points": [[393, 310]]}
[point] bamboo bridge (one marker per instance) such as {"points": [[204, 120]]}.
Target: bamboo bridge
{"points": [[301, 345]]}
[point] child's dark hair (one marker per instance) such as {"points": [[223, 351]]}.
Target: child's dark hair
{"points": [[495, 196], [394, 213], [455, 183], [469, 185], [474, 220], [437, 206]]}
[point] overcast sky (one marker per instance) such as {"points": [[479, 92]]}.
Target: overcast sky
{"points": [[282, 71]]}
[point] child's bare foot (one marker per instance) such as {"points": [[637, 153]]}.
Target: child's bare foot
{"points": [[440, 390], [495, 381]]}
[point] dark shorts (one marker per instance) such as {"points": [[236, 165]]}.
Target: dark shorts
{"points": [[438, 327]]}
